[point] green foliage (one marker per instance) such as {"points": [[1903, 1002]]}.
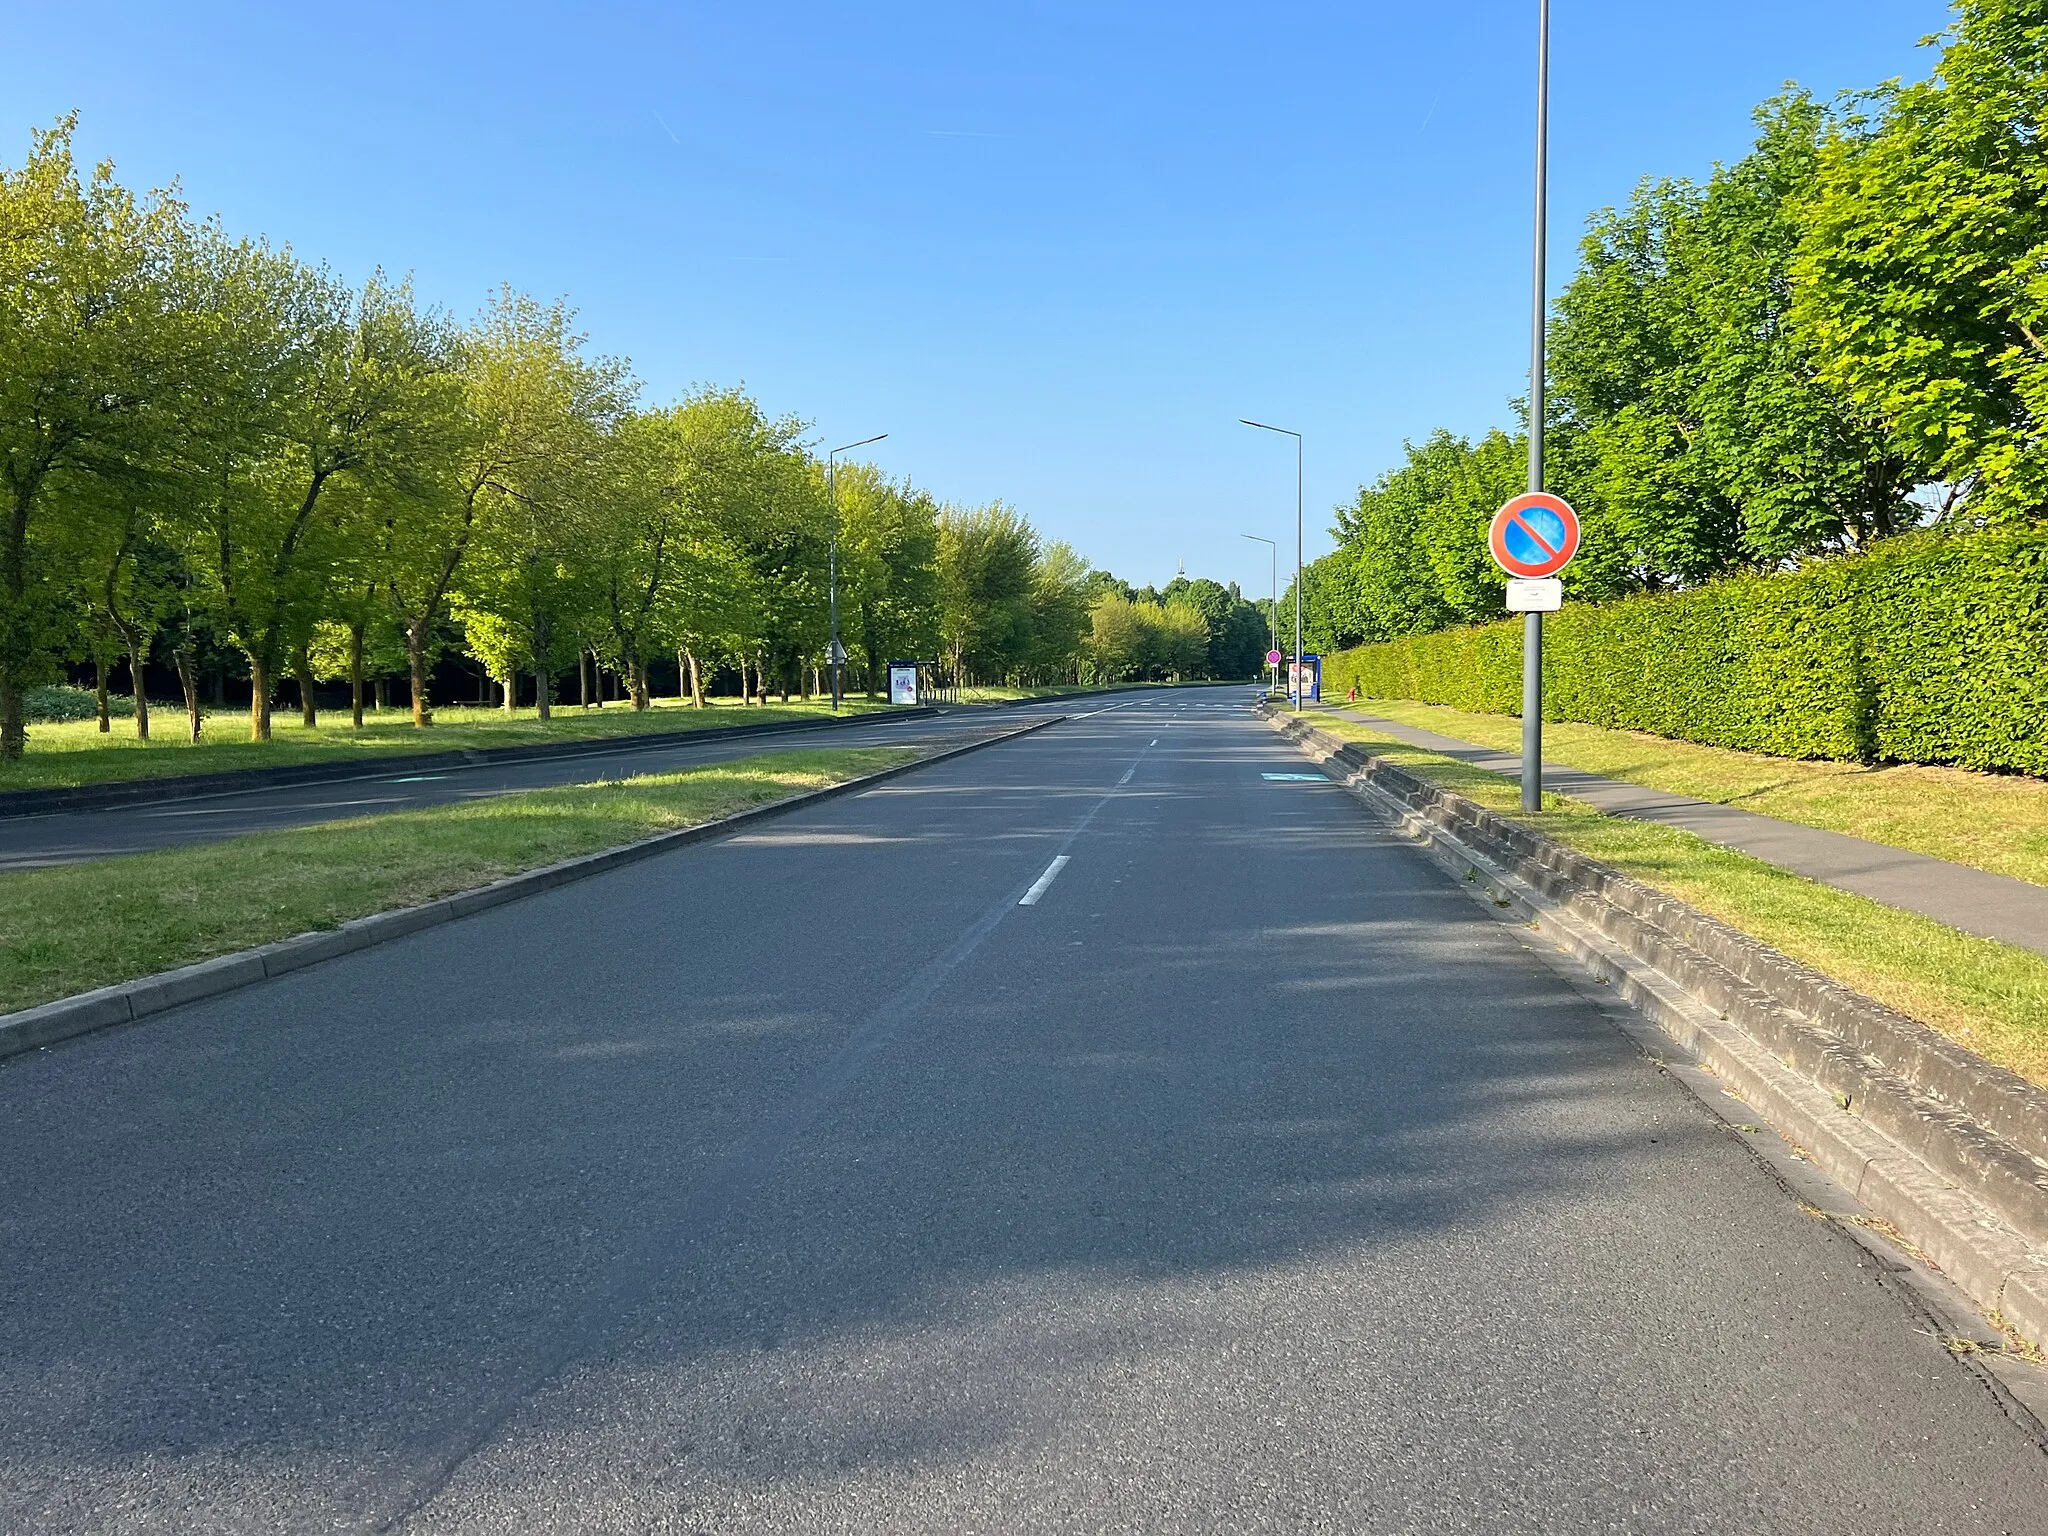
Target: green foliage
{"points": [[1923, 276], [1131, 640], [1930, 648], [987, 557]]}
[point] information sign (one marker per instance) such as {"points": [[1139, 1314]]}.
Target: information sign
{"points": [[1535, 594]]}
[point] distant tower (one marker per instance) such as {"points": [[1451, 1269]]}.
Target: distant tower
{"points": [[1183, 568]]}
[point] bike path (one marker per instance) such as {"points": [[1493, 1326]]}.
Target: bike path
{"points": [[1973, 900]]}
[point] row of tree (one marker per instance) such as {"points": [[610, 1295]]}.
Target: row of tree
{"points": [[1838, 338], [209, 447]]}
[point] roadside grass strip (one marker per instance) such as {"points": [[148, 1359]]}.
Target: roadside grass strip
{"points": [[1990, 821], [74, 753], [70, 929], [1990, 997]]}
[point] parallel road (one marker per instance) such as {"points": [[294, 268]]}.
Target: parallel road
{"points": [[1250, 1178], [69, 837]]}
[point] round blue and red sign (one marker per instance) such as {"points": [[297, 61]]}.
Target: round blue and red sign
{"points": [[1534, 535]]}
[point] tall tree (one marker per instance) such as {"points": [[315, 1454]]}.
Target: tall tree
{"points": [[89, 366], [986, 558]]}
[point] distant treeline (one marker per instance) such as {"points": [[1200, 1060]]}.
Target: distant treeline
{"points": [[1841, 337], [219, 459]]}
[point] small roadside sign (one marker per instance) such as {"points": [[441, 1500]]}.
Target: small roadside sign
{"points": [[1535, 535], [836, 654], [1535, 594], [1274, 658]]}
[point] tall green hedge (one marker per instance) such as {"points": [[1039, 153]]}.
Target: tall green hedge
{"points": [[1929, 648]]}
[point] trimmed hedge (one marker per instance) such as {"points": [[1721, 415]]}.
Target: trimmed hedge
{"points": [[1929, 648]]}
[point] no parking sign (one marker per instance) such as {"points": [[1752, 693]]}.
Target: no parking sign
{"points": [[1535, 535]]}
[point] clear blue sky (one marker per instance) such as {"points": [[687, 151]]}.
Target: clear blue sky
{"points": [[1055, 250]]}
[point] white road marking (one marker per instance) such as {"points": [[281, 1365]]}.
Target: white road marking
{"points": [[1127, 774], [1052, 873]]}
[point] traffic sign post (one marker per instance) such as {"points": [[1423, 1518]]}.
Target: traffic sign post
{"points": [[1532, 538]]}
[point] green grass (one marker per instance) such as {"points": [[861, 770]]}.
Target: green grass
{"points": [[1990, 997], [1995, 822], [70, 929], [74, 753]]}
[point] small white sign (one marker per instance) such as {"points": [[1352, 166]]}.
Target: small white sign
{"points": [[1539, 594]]}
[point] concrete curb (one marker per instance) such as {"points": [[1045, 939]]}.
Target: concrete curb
{"points": [[185, 786], [129, 1001], [1936, 1142]]}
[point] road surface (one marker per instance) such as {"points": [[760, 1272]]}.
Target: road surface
{"points": [[1250, 1178]]}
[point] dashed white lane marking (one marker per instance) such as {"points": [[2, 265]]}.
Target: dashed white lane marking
{"points": [[1127, 775], [1052, 873]]}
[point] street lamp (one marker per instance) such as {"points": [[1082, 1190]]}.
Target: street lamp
{"points": [[1532, 622], [1273, 611], [837, 655], [1294, 678]]}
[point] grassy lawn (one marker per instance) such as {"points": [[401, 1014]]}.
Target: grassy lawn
{"points": [[76, 753], [1995, 822], [70, 929], [1988, 996]]}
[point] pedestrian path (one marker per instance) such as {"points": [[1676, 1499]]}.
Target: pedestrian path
{"points": [[1991, 906]]}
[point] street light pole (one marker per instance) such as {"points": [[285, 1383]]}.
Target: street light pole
{"points": [[1273, 608], [1532, 623], [1294, 683], [836, 656]]}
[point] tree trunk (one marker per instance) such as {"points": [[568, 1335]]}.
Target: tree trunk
{"points": [[636, 682], [309, 709], [259, 699], [141, 697], [187, 681], [99, 673], [696, 680], [380, 699], [355, 672], [583, 676], [416, 665], [543, 687], [510, 683], [13, 733]]}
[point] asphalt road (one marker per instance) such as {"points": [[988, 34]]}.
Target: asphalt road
{"points": [[70, 837], [1252, 1178]]}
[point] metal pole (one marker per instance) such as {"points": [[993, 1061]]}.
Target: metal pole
{"points": [[1272, 608], [1532, 623], [832, 490], [1299, 700], [1294, 685]]}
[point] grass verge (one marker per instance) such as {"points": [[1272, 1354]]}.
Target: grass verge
{"points": [[67, 930], [75, 753], [1990, 821], [1990, 997]]}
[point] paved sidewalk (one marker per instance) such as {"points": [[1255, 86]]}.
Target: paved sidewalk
{"points": [[1992, 906]]}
